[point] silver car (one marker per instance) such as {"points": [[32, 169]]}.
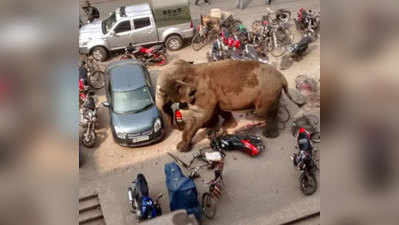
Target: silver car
{"points": [[139, 24]]}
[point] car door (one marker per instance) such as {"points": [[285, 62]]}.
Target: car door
{"points": [[144, 30], [119, 37]]}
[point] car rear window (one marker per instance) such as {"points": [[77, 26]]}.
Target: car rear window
{"points": [[142, 22]]}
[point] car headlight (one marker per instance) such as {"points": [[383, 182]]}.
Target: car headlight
{"points": [[121, 135], [157, 125]]}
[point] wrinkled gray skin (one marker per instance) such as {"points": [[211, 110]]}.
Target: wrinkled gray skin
{"points": [[219, 88]]}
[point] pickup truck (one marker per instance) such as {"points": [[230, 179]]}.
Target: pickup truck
{"points": [[160, 21]]}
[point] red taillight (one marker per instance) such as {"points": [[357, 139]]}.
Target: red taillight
{"points": [[178, 116], [191, 24]]}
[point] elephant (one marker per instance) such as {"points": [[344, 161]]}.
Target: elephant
{"points": [[221, 87]]}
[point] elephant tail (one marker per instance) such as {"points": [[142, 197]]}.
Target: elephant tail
{"points": [[299, 103]]}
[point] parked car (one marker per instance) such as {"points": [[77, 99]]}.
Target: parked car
{"points": [[163, 21], [135, 119]]}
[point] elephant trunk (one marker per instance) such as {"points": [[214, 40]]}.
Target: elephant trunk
{"points": [[164, 106]]}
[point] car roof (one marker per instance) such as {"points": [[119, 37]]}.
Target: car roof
{"points": [[126, 75]]}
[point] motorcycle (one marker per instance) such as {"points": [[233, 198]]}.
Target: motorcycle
{"points": [[305, 163], [155, 55], [250, 144], [308, 22], [95, 77], [140, 201], [88, 118], [295, 51]]}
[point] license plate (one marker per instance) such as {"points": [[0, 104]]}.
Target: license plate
{"points": [[141, 138]]}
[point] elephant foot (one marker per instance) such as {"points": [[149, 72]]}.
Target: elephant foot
{"points": [[271, 133], [271, 130], [183, 147]]}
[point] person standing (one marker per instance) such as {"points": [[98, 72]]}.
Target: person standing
{"points": [[91, 11]]}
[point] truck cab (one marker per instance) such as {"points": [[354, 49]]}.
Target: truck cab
{"points": [[140, 24]]}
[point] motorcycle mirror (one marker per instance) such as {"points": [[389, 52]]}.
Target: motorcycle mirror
{"points": [[105, 104]]}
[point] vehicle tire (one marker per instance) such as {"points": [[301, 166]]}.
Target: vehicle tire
{"points": [[99, 53], [315, 137], [308, 183], [197, 42], [174, 42], [90, 140], [208, 205], [96, 80]]}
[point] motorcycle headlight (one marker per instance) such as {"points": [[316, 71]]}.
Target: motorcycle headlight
{"points": [[121, 135], [157, 125]]}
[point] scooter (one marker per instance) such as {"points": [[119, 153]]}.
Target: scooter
{"points": [[140, 201]]}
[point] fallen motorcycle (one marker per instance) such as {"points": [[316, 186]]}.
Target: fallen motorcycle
{"points": [[140, 201], [250, 144], [295, 52]]}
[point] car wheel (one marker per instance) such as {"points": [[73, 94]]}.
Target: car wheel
{"points": [[174, 42], [99, 54]]}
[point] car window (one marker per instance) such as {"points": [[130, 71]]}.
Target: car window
{"points": [[122, 27], [142, 22]]}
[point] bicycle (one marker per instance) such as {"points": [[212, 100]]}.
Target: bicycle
{"points": [[215, 192], [194, 171], [95, 75]]}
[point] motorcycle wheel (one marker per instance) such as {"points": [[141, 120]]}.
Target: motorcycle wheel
{"points": [[208, 205], [308, 183], [89, 140], [158, 210], [315, 137], [198, 42], [96, 80], [162, 60]]}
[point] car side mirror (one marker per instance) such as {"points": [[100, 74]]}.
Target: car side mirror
{"points": [[105, 104], [112, 33]]}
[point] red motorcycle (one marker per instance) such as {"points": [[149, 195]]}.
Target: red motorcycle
{"points": [[156, 55], [83, 89]]}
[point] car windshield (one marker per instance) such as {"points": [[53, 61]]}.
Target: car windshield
{"points": [[108, 23], [132, 101]]}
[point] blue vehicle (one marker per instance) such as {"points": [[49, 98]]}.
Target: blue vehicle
{"points": [[182, 191], [135, 119], [140, 201]]}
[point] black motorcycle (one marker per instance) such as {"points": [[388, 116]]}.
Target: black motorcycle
{"points": [[140, 201], [303, 160], [250, 144], [295, 52], [308, 23], [88, 118]]}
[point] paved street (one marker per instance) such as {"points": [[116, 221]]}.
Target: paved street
{"points": [[262, 190]]}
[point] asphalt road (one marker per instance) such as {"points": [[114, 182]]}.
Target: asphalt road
{"points": [[262, 190]]}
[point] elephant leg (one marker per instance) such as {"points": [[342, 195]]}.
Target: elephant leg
{"points": [[191, 127], [269, 111], [229, 121]]}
